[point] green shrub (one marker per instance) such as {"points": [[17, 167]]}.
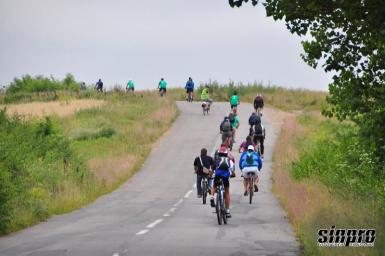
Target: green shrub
{"points": [[35, 163], [336, 155]]}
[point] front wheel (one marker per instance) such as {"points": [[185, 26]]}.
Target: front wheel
{"points": [[204, 191]]}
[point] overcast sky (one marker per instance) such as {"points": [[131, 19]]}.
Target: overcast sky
{"points": [[145, 40]]}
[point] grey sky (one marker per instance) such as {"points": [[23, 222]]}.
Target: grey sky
{"points": [[145, 40]]}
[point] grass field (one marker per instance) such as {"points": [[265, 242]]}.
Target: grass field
{"points": [[314, 203], [88, 148]]}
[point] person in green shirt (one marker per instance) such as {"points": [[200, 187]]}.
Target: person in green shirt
{"points": [[234, 121], [205, 94], [130, 86], [234, 100], [162, 87]]}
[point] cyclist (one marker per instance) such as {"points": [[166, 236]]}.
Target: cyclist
{"points": [[204, 165], [234, 120], [130, 86], [99, 86], [244, 145], [234, 100], [205, 97], [254, 119], [162, 87], [224, 170], [226, 131], [258, 103], [259, 137], [250, 162], [189, 89]]}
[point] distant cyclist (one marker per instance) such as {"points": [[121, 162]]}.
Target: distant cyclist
{"points": [[245, 144], [224, 170], [202, 165], [99, 86], [130, 86], [234, 100], [227, 131], [234, 120], [189, 89], [162, 86], [259, 137], [254, 120], [258, 104], [250, 162]]}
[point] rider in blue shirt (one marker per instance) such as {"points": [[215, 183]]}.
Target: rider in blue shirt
{"points": [[250, 162], [189, 89]]}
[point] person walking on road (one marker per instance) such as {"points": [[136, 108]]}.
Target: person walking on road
{"points": [[203, 167]]}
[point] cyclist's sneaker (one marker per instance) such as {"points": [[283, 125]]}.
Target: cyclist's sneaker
{"points": [[228, 214], [255, 188], [212, 203], [199, 195], [245, 194]]}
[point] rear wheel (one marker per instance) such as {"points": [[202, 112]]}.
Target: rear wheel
{"points": [[251, 190], [224, 216], [218, 209], [204, 191]]}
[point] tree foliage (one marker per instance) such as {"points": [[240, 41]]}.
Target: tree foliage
{"points": [[348, 38]]}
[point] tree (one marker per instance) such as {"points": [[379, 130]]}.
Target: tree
{"points": [[348, 38]]}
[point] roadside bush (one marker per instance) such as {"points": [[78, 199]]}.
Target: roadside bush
{"points": [[336, 155], [36, 164]]}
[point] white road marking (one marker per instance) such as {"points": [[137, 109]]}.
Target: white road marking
{"points": [[115, 254], [188, 194], [154, 223], [142, 232], [194, 185], [167, 214], [172, 209], [178, 203]]}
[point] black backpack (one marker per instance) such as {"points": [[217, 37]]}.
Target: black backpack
{"points": [[258, 130], [225, 126], [224, 163], [232, 118], [254, 119]]}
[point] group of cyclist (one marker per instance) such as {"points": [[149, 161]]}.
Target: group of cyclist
{"points": [[222, 165]]}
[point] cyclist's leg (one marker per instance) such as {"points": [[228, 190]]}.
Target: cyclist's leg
{"points": [[262, 146], [245, 183], [226, 184]]}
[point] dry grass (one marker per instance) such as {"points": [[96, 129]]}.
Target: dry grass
{"points": [[59, 108], [109, 171]]}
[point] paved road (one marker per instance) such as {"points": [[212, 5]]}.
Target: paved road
{"points": [[157, 212]]}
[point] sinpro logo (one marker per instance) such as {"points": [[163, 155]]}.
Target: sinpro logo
{"points": [[346, 237]]}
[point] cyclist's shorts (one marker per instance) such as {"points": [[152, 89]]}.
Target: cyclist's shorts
{"points": [[252, 169], [162, 89], [189, 90], [226, 135], [225, 180], [258, 104], [233, 106]]}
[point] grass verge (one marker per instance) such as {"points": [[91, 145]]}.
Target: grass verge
{"points": [[319, 188], [62, 163]]}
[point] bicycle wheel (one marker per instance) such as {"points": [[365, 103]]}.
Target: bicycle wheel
{"points": [[223, 208], [251, 189], [218, 208], [204, 190]]}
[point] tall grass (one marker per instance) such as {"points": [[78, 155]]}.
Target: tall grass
{"points": [[324, 178], [36, 164], [60, 164]]}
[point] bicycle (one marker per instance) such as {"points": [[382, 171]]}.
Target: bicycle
{"points": [[205, 188], [220, 208], [259, 111], [250, 179], [189, 97]]}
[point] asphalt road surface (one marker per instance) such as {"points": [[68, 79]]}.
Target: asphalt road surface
{"points": [[157, 212]]}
